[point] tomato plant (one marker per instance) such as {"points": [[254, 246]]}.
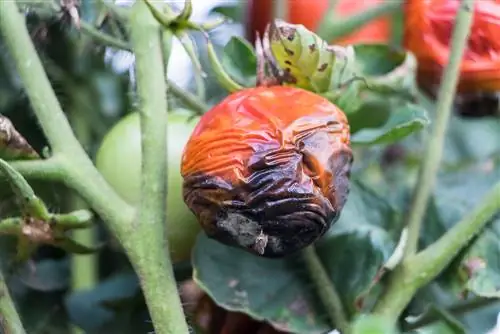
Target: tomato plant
{"points": [[310, 12], [297, 183], [119, 160]]}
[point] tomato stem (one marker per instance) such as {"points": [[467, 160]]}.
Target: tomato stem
{"points": [[417, 270], [190, 100], [84, 269], [103, 38], [435, 140], [10, 322], [332, 28], [147, 247], [326, 289]]}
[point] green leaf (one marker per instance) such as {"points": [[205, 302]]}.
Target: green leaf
{"points": [[45, 275], [401, 123], [353, 251], [240, 62], [382, 61], [477, 268], [239, 281], [88, 309], [233, 11], [387, 70], [363, 239], [463, 138], [12, 143]]}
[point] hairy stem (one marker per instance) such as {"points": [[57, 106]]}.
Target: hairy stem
{"points": [[150, 248], [332, 28], [47, 170], [435, 142], [325, 288], [415, 271], [449, 245], [10, 322]]}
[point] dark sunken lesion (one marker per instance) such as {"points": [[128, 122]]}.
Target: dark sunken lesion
{"points": [[276, 210], [476, 105]]}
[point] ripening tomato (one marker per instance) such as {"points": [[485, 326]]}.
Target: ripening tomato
{"points": [[310, 13], [267, 169], [119, 161]]}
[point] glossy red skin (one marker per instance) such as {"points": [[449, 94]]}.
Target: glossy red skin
{"points": [[274, 160], [310, 12], [428, 29]]}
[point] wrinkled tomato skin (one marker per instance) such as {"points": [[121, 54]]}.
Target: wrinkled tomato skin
{"points": [[268, 169], [427, 34], [310, 13]]}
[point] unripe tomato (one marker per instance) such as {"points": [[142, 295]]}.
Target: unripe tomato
{"points": [[119, 161], [267, 169], [310, 13]]}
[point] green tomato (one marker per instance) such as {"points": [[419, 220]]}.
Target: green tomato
{"points": [[119, 161]]}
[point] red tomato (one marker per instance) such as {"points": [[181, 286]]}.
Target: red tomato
{"points": [[310, 12], [428, 29], [267, 169]]}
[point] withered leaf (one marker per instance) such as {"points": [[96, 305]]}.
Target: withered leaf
{"points": [[12, 143]]}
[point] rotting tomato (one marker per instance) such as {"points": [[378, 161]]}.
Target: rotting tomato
{"points": [[267, 169], [310, 12], [427, 34], [119, 161]]}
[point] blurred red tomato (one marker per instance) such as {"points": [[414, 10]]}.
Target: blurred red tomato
{"points": [[310, 12], [428, 29]]}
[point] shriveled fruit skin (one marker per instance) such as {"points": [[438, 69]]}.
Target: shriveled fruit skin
{"points": [[268, 169]]}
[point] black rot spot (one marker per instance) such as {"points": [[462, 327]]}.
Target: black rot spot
{"points": [[289, 52], [289, 63], [323, 67], [312, 47]]}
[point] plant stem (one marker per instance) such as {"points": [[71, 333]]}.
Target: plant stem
{"points": [[47, 169], [423, 267], [333, 29], [435, 142], [151, 256], [10, 322], [190, 100], [326, 289], [84, 273], [103, 38], [72, 162], [415, 271], [280, 9], [434, 258], [458, 309]]}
